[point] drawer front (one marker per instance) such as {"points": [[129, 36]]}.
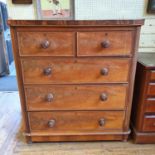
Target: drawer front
{"points": [[151, 89], [76, 121], [152, 77], [76, 97], [60, 71], [149, 123], [46, 43], [150, 105], [108, 43]]}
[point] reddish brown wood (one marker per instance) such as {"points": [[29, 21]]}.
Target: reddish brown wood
{"points": [[22, 1], [68, 122], [87, 97], [151, 89], [46, 44], [92, 43], [149, 123], [71, 70], [152, 76], [89, 94], [143, 111], [67, 23], [150, 105]]}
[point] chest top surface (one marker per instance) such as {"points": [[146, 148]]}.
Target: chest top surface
{"points": [[137, 22]]}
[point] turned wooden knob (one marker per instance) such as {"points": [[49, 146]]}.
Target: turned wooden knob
{"points": [[45, 44], [104, 71], [102, 122], [104, 97], [105, 44], [51, 123], [49, 97], [47, 71]]}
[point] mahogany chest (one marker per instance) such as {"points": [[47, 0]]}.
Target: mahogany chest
{"points": [[143, 111], [75, 78]]}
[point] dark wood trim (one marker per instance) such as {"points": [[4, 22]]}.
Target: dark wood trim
{"points": [[76, 22]]}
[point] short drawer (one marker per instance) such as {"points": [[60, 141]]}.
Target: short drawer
{"points": [[46, 43], [76, 97], [76, 121], [152, 76], [151, 89], [150, 105], [52, 71], [108, 43], [149, 123]]}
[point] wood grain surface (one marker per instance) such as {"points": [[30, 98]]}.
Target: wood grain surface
{"points": [[76, 97], [72, 70], [90, 43], [60, 43], [76, 121]]}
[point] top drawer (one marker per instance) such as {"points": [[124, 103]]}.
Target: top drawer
{"points": [[107, 43], [46, 43]]}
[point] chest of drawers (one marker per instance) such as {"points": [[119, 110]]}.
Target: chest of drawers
{"points": [[75, 78], [143, 111]]}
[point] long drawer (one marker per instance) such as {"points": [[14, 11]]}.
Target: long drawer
{"points": [[151, 89], [150, 105], [152, 76], [105, 43], [60, 71], [46, 43], [77, 121], [149, 123], [76, 97]]}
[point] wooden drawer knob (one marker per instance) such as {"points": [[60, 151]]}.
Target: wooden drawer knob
{"points": [[105, 44], [104, 97], [51, 123], [104, 71], [47, 71], [102, 122], [45, 44], [49, 97]]}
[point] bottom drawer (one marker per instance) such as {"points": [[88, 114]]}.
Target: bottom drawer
{"points": [[76, 121], [149, 123]]}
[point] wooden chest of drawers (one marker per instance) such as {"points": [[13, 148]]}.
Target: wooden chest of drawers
{"points": [[143, 111], [75, 78]]}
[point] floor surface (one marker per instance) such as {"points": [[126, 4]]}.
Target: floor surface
{"points": [[12, 141]]}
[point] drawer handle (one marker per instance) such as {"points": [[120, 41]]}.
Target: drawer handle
{"points": [[105, 44], [47, 71], [104, 71], [45, 44], [51, 123], [49, 97], [104, 97], [102, 122]]}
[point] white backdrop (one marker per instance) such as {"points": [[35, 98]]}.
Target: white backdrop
{"points": [[109, 9], [88, 9]]}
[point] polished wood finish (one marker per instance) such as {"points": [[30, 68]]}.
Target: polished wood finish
{"points": [[67, 23], [72, 87], [150, 105], [152, 76], [46, 44], [151, 89], [68, 122], [149, 123], [76, 97], [143, 111], [75, 70], [106, 43]]}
